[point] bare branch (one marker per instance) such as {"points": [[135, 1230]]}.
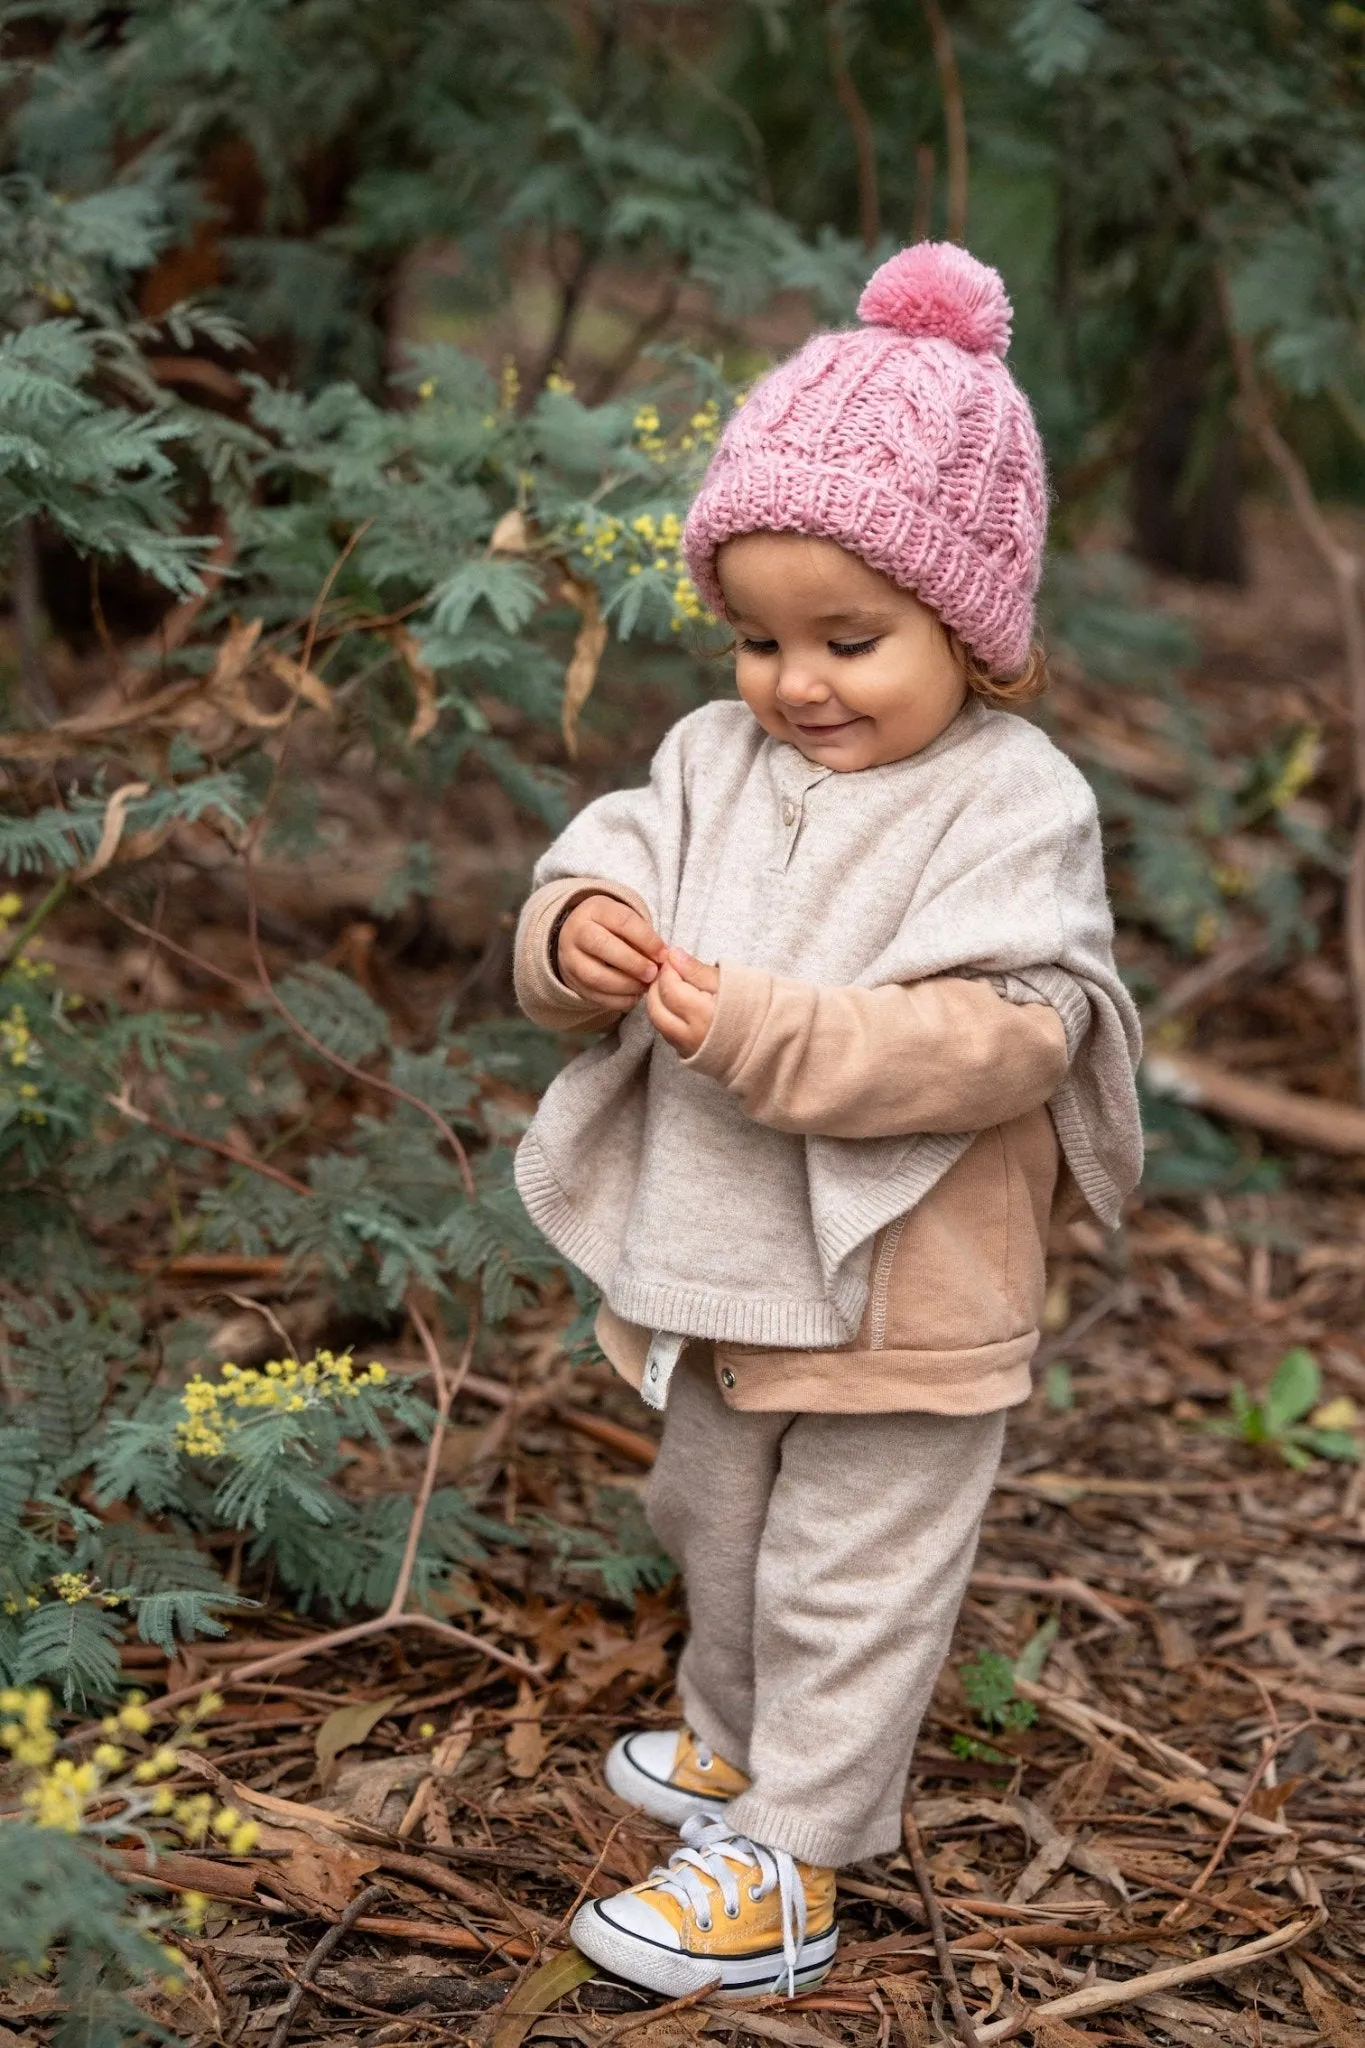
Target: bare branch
{"points": [[864, 141], [954, 117], [1344, 568]]}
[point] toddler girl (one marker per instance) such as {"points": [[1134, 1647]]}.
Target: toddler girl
{"points": [[850, 955]]}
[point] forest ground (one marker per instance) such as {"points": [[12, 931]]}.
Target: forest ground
{"points": [[1184, 1776]]}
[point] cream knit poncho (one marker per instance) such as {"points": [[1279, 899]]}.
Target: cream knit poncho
{"points": [[979, 856]]}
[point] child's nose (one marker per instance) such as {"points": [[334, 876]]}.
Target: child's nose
{"points": [[801, 683]]}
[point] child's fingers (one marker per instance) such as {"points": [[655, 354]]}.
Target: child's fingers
{"points": [[675, 1002], [697, 972], [628, 924], [613, 951], [680, 1034], [602, 983]]}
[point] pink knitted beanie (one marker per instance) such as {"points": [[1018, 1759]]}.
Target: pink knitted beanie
{"points": [[907, 441]]}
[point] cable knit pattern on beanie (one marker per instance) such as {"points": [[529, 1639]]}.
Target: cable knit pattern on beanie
{"points": [[907, 441]]}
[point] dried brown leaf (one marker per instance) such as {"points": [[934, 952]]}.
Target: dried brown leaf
{"points": [[790, 2033], [1335, 2021], [948, 1811], [115, 817], [526, 1743], [986, 1977], [234, 655], [593, 1671], [1047, 1861], [589, 644], [673, 2031], [1175, 1645], [188, 2008], [300, 681], [909, 2010], [347, 1726], [511, 535], [451, 1748], [424, 686], [313, 1877], [1057, 2034]]}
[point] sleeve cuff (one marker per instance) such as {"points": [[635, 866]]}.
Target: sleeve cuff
{"points": [[742, 1003], [542, 995]]}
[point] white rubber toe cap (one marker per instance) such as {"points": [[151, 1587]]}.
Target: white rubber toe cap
{"points": [[653, 1751], [631, 1914], [638, 1768]]}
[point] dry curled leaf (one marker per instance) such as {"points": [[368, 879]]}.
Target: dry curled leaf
{"points": [[450, 1750], [312, 1877], [228, 684], [511, 535], [588, 646], [424, 687], [526, 1743], [1337, 2024], [234, 656], [346, 1726], [300, 681], [115, 818]]}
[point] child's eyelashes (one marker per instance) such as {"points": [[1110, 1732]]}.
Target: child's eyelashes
{"points": [[844, 650]]}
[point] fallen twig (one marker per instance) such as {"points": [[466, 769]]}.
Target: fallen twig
{"points": [[1307, 1120], [1104, 1997], [648, 2014], [1061, 1586], [1178, 1914], [371, 1896], [919, 1863]]}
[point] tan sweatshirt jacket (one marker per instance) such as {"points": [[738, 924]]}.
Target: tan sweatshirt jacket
{"points": [[957, 1284], [910, 957]]}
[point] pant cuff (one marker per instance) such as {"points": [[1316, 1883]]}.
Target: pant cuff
{"points": [[725, 1741], [826, 1843]]}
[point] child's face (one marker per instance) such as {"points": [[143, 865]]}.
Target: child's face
{"points": [[834, 657]]}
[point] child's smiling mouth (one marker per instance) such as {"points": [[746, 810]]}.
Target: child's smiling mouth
{"points": [[825, 729]]}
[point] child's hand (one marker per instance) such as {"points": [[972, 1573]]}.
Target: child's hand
{"points": [[608, 952], [682, 1002]]}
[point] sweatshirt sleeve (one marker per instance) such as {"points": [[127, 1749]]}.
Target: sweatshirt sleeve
{"points": [[546, 999], [948, 1054]]}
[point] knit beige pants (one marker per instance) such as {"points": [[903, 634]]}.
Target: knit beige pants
{"points": [[825, 1559]]}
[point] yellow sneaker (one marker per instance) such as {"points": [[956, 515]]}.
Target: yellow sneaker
{"points": [[670, 1774], [724, 1909]]}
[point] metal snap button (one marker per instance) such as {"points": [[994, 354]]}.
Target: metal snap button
{"points": [[727, 1378], [789, 813]]}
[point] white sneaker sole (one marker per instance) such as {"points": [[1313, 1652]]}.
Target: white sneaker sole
{"points": [[669, 1971], [639, 1787]]}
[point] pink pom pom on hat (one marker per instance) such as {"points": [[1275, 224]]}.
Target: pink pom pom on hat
{"points": [[907, 441]]}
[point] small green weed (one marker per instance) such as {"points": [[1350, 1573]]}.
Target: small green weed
{"points": [[990, 1681], [1288, 1418]]}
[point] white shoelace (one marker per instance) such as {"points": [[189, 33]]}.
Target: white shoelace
{"points": [[714, 1851]]}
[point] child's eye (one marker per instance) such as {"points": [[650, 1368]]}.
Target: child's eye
{"points": [[847, 649], [757, 646]]}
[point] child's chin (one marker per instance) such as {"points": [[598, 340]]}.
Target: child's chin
{"points": [[842, 753]]}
